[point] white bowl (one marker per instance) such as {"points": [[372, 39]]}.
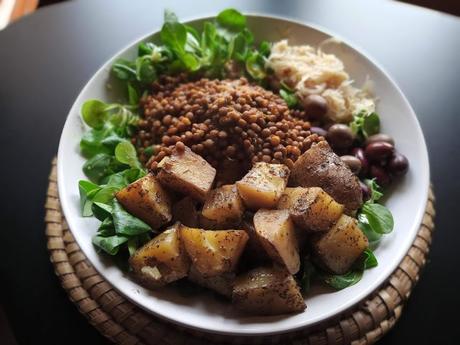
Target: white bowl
{"points": [[205, 312]]}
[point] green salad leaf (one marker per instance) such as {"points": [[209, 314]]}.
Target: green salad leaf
{"points": [[372, 236], [289, 97], [337, 281], [378, 217], [124, 69], [94, 113], [376, 190], [221, 43], [125, 223], [231, 19], [125, 152], [109, 244], [87, 190], [365, 124]]}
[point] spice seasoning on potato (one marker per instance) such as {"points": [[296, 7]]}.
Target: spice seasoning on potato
{"points": [[267, 291], [162, 260], [147, 200], [187, 173], [224, 207], [311, 209], [321, 167], [339, 247], [277, 235], [213, 252], [263, 185], [222, 284]]}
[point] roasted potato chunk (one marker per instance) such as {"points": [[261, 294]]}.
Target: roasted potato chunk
{"points": [[148, 200], [339, 248], [222, 284], [277, 234], [267, 291], [263, 185], [254, 250], [311, 208], [187, 173], [162, 260], [224, 207], [186, 211], [319, 166], [213, 252]]}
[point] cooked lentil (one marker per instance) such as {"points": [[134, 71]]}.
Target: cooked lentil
{"points": [[221, 119]]}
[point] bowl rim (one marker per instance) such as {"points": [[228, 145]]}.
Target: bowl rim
{"points": [[65, 203]]}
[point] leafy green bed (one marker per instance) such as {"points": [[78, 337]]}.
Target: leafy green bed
{"points": [[112, 161]]}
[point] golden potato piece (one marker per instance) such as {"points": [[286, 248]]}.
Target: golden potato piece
{"points": [[147, 200], [338, 248], [263, 185], [319, 166], [222, 284], [267, 291], [187, 173], [162, 260], [224, 207], [186, 211], [277, 234], [311, 208], [213, 252]]}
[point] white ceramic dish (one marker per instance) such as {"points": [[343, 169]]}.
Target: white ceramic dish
{"points": [[205, 312]]}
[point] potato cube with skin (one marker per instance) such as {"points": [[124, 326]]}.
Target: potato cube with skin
{"points": [[213, 252], [319, 166], [277, 234], [254, 251], [222, 284], [187, 173], [224, 207], [311, 208], [148, 200], [162, 260], [263, 185], [186, 211], [339, 248], [267, 291]]}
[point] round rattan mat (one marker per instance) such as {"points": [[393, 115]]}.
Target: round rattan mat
{"points": [[124, 323]]}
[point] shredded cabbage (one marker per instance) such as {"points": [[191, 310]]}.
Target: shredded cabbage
{"points": [[311, 71]]}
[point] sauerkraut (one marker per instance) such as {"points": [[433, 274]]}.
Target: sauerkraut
{"points": [[311, 71]]}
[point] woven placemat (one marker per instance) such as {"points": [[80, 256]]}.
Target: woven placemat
{"points": [[124, 323]]}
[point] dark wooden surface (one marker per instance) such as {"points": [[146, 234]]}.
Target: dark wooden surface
{"points": [[46, 58]]}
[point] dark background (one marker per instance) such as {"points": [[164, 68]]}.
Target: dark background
{"points": [[46, 58], [448, 6]]}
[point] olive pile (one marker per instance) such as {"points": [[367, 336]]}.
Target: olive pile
{"points": [[375, 158]]}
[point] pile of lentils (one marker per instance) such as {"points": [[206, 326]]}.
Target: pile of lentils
{"points": [[220, 119]]}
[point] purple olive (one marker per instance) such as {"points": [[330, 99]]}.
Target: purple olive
{"points": [[398, 164], [352, 162], [379, 151], [318, 130], [315, 106], [340, 136], [358, 152], [379, 138], [382, 177], [365, 190]]}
